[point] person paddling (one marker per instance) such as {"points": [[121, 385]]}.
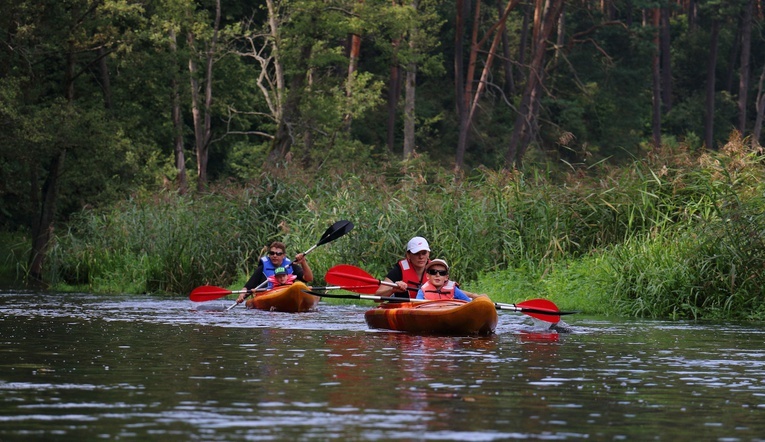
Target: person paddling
{"points": [[268, 264], [409, 273]]}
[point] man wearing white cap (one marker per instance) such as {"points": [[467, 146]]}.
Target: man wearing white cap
{"points": [[409, 273]]}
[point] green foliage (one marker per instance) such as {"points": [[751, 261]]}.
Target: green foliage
{"points": [[666, 237], [569, 223], [14, 249]]}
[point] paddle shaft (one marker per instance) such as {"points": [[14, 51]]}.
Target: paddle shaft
{"points": [[497, 305], [249, 293], [538, 308], [358, 296]]}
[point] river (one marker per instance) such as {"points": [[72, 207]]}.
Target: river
{"points": [[85, 367]]}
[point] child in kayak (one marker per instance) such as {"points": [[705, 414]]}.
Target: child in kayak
{"points": [[438, 285], [281, 277]]}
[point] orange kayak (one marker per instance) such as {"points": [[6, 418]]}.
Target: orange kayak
{"points": [[288, 298], [443, 317]]}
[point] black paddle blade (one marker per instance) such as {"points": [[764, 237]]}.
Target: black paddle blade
{"points": [[335, 231]]}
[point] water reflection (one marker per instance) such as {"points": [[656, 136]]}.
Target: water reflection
{"points": [[79, 366]]}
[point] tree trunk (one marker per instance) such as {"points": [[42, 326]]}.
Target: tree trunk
{"points": [[760, 105], [628, 20], [463, 10], [353, 63], [409, 91], [409, 114], [467, 93], [734, 54], [546, 15], [291, 109], [196, 112], [709, 115], [500, 27], [180, 158], [276, 42], [560, 39], [743, 83], [523, 41], [203, 116], [693, 14], [289, 98], [507, 65], [470, 98], [656, 77], [607, 9], [666, 61], [394, 91], [106, 86], [42, 230]]}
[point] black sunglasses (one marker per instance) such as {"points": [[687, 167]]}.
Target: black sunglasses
{"points": [[438, 272], [271, 252]]}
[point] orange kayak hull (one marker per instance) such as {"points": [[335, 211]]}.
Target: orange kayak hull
{"points": [[289, 299], [443, 317]]}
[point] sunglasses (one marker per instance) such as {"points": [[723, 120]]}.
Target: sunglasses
{"points": [[438, 272], [272, 253]]}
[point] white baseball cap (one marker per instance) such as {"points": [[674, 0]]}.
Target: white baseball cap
{"points": [[417, 244]]}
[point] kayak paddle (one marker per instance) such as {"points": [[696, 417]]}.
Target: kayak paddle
{"points": [[208, 293], [345, 274]]}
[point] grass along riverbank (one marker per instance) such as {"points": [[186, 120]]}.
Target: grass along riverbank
{"points": [[677, 236]]}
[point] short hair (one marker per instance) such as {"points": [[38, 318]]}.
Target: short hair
{"points": [[278, 245]]}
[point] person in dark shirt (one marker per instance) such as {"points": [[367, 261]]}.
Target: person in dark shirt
{"points": [[409, 273], [267, 267]]}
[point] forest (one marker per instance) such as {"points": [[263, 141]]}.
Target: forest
{"points": [[118, 108]]}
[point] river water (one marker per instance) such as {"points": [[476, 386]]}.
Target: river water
{"points": [[85, 367]]}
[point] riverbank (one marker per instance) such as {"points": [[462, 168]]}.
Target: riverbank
{"points": [[678, 235]]}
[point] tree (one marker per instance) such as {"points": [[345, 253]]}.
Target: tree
{"points": [[201, 107], [656, 71], [410, 88], [63, 139], [176, 115], [545, 17], [467, 98], [746, 50], [760, 107]]}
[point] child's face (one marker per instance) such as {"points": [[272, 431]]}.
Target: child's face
{"points": [[281, 279], [438, 275]]}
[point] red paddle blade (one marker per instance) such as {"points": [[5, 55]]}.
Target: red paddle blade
{"points": [[542, 304], [208, 293], [349, 277], [536, 309]]}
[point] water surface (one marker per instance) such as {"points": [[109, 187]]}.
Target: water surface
{"points": [[85, 367]]}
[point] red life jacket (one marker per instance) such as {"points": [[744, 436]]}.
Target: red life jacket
{"points": [[431, 293], [272, 281], [410, 277]]}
